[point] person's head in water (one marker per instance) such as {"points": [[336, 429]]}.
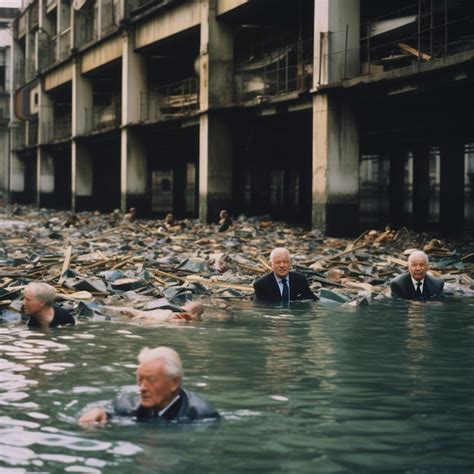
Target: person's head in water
{"points": [[280, 261], [418, 265], [159, 376], [38, 298]]}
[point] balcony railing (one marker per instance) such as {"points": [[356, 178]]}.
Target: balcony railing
{"points": [[169, 101], [57, 129], [33, 16], [102, 117], [281, 71], [135, 6]]}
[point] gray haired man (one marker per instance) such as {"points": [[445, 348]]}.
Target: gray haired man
{"points": [[161, 395]]}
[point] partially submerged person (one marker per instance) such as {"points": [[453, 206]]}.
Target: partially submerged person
{"points": [[39, 305], [161, 394], [282, 285], [191, 311], [225, 221], [416, 284]]}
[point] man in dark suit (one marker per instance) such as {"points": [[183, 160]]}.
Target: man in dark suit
{"points": [[416, 284], [282, 285]]}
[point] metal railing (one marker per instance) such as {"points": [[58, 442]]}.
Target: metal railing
{"points": [[135, 6], [171, 100], [280, 71], [416, 33], [57, 129], [103, 117]]}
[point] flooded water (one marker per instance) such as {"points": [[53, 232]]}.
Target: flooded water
{"points": [[388, 388]]}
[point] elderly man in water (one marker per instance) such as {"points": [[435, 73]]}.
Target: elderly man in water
{"points": [[161, 395], [38, 305]]}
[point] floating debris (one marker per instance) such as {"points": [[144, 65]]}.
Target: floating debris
{"points": [[99, 260]]}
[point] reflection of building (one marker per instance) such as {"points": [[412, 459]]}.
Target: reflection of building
{"points": [[6, 17], [323, 112]]}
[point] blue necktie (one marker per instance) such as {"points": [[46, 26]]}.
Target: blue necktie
{"points": [[285, 294]]}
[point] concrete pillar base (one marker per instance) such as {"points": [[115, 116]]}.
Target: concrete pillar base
{"points": [[337, 219]]}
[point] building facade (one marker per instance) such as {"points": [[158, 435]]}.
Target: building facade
{"points": [[6, 17], [335, 114]]}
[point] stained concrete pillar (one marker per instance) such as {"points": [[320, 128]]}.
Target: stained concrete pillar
{"points": [[421, 186], [82, 177], [81, 160], [452, 188], [335, 166], [133, 165], [216, 90], [45, 117], [397, 187], [335, 202], [46, 176]]}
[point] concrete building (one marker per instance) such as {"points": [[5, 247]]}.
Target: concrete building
{"points": [[6, 17], [335, 114]]}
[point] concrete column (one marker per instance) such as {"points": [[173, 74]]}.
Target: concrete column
{"points": [[133, 165], [17, 174], [81, 101], [397, 184], [216, 90], [336, 24], [133, 171], [45, 117], [421, 186], [46, 177], [81, 175], [335, 166], [452, 188], [335, 208]]}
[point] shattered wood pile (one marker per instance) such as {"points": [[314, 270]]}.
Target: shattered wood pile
{"points": [[95, 259]]}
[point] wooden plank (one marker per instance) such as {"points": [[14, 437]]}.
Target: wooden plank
{"points": [[418, 54]]}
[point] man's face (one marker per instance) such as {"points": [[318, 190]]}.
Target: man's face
{"points": [[281, 264], [156, 388], [32, 305], [418, 266]]}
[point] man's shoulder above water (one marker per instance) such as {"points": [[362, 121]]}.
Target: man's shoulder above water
{"points": [[189, 407], [402, 287]]}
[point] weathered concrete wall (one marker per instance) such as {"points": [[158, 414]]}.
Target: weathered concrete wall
{"points": [[81, 173], [17, 174], [46, 181], [181, 18]]}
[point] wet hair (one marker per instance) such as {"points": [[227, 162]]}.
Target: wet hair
{"points": [[418, 253], [171, 359], [42, 291], [278, 250]]}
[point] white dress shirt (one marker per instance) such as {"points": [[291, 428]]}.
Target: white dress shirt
{"points": [[415, 284]]}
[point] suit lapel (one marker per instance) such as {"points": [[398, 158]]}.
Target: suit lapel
{"points": [[410, 289], [275, 288]]}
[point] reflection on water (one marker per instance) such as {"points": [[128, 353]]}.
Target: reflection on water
{"points": [[307, 389]]}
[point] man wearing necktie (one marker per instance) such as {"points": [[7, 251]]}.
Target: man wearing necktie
{"points": [[416, 284], [282, 285]]}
